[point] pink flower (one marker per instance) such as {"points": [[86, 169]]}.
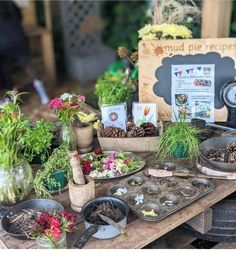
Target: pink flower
{"points": [[55, 104], [82, 98], [63, 105], [109, 162]]}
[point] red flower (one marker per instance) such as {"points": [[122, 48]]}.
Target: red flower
{"points": [[55, 233], [74, 104], [127, 160], [87, 167], [54, 222], [69, 216], [98, 151], [43, 220], [147, 110]]}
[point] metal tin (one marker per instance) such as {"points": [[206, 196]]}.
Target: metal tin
{"points": [[162, 195]]}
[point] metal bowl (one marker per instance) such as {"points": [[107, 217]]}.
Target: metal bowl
{"points": [[217, 143]]}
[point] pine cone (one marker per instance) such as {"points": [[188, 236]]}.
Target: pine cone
{"points": [[122, 52], [231, 147], [150, 129], [136, 132], [130, 126], [134, 57], [115, 132]]}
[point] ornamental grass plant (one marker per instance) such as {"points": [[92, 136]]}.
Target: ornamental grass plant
{"points": [[178, 141]]}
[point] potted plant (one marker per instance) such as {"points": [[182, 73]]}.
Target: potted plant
{"points": [[66, 107], [112, 89], [81, 187], [51, 227], [15, 171], [178, 141], [54, 174], [36, 145]]}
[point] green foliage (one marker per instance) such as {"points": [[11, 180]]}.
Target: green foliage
{"points": [[37, 140], [17, 134], [181, 135], [122, 20], [58, 161], [113, 90], [233, 20]]}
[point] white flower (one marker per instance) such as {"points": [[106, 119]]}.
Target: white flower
{"points": [[65, 96], [139, 199], [120, 191]]}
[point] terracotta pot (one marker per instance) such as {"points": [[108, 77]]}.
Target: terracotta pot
{"points": [[84, 137], [81, 194]]}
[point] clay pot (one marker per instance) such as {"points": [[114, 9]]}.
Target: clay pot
{"points": [[81, 194], [84, 137]]}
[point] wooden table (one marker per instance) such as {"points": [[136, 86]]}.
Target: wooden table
{"points": [[140, 233]]}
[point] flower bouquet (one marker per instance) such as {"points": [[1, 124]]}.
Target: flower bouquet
{"points": [[100, 165], [50, 230], [66, 107]]}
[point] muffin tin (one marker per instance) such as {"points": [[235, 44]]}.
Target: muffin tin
{"points": [[153, 199]]}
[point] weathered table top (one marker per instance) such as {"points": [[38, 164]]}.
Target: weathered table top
{"points": [[140, 233]]}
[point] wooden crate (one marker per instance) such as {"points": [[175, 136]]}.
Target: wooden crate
{"points": [[139, 144]]}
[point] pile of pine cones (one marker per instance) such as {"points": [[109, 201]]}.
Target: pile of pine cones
{"points": [[145, 130], [225, 155]]}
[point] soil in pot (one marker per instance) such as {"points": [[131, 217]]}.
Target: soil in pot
{"points": [[61, 181], [106, 209]]}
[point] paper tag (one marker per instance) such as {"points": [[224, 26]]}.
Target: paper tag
{"points": [[114, 115], [144, 112]]}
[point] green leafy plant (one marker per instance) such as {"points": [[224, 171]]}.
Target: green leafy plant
{"points": [[58, 161], [178, 141], [113, 89], [37, 140], [18, 139], [18, 142]]}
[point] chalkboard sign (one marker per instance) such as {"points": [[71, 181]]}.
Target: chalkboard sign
{"points": [[157, 57]]}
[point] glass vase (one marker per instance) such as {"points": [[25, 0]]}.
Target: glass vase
{"points": [[16, 182], [44, 242], [67, 137]]}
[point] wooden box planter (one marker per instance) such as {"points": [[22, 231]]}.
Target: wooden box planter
{"points": [[139, 144]]}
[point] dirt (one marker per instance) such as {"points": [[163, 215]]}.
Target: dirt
{"points": [[186, 192], [199, 185], [107, 209], [23, 222]]}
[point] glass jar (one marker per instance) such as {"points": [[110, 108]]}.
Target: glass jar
{"points": [[16, 182], [44, 242], [67, 136]]}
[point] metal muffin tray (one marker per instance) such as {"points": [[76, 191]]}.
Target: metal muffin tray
{"points": [[153, 199]]}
